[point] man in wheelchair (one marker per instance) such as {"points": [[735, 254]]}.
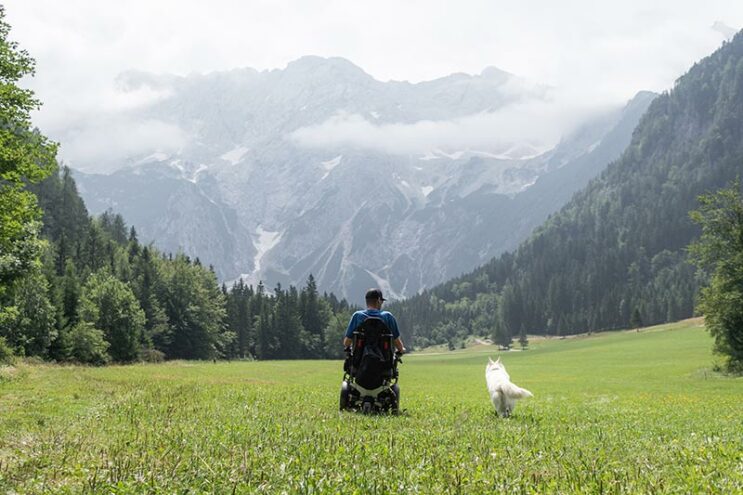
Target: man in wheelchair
{"points": [[370, 370]]}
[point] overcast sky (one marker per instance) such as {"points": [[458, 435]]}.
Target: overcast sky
{"points": [[606, 50]]}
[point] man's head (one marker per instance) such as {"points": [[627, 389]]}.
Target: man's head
{"points": [[374, 298]]}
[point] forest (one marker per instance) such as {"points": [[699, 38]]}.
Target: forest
{"points": [[616, 255], [95, 294]]}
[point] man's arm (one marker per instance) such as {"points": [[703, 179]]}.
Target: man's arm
{"points": [[396, 334], [347, 338]]}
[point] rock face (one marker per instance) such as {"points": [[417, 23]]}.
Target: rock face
{"points": [[319, 168]]}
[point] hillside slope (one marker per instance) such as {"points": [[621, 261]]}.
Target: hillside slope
{"points": [[615, 252]]}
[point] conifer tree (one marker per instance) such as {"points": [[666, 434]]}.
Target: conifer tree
{"points": [[523, 340], [70, 295], [636, 320]]}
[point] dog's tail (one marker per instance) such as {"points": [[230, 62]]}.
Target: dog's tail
{"points": [[515, 392]]}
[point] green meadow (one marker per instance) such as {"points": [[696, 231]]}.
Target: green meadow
{"points": [[624, 412]]}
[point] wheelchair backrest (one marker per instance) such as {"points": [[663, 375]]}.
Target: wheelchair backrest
{"points": [[373, 332]]}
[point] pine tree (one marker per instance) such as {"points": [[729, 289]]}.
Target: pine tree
{"points": [[314, 314], [636, 320], [134, 247], [265, 344], [523, 340], [145, 282], [70, 295]]}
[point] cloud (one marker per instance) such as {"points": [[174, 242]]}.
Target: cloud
{"points": [[605, 51], [725, 30], [97, 130], [539, 123], [102, 142]]}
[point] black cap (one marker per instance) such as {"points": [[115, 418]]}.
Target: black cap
{"points": [[374, 294]]}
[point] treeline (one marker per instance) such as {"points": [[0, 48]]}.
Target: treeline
{"points": [[76, 288], [616, 255], [97, 295]]}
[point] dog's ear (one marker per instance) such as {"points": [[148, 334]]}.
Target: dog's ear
{"points": [[490, 360], [498, 361]]}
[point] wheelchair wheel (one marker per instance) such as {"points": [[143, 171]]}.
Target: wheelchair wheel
{"points": [[395, 408], [344, 396]]}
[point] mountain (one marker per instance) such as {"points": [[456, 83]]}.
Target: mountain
{"points": [[614, 255], [319, 168]]}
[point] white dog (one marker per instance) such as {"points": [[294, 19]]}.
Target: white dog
{"points": [[503, 393]]}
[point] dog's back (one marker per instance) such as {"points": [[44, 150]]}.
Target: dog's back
{"points": [[503, 393]]}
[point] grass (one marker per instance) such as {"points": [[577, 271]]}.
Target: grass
{"points": [[612, 413]]}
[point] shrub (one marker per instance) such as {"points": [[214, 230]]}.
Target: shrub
{"points": [[87, 345], [150, 355], [6, 353]]}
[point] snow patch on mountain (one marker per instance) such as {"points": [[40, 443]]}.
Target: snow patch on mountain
{"points": [[430, 155], [451, 156], [263, 242], [235, 155], [195, 176], [384, 284], [594, 146], [330, 165], [178, 165], [266, 241], [518, 152], [157, 156]]}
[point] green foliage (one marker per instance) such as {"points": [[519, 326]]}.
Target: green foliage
{"points": [[97, 270], [28, 324], [70, 295], [146, 282], [25, 157], [636, 319], [523, 339], [86, 344], [109, 305], [149, 355], [6, 353], [98, 273], [195, 309], [293, 323], [720, 251]]}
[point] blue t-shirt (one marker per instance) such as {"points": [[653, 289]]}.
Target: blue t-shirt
{"points": [[360, 316]]}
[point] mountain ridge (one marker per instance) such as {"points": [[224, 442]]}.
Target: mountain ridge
{"points": [[244, 178]]}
